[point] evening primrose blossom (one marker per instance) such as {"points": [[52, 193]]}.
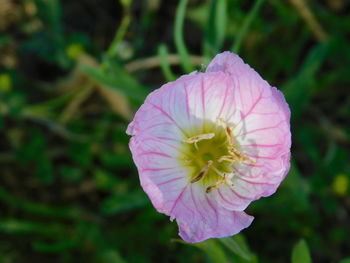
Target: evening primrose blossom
{"points": [[210, 143]]}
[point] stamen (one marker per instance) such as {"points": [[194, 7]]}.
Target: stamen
{"points": [[228, 131], [228, 158], [202, 172], [228, 178], [225, 180], [240, 157], [197, 138], [218, 172], [215, 186]]}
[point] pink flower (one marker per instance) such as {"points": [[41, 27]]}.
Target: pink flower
{"points": [[208, 144]]}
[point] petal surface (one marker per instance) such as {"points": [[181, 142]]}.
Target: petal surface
{"points": [[200, 217], [261, 128]]}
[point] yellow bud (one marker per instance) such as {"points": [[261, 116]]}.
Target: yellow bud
{"points": [[5, 82], [340, 184], [74, 50]]}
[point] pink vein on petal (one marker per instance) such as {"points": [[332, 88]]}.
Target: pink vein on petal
{"points": [[223, 198], [168, 116], [261, 157], [195, 203], [203, 97], [157, 169], [244, 178], [187, 103], [224, 102], [240, 196], [156, 153], [170, 181], [261, 129], [261, 145], [212, 207], [252, 107], [177, 199], [155, 125]]}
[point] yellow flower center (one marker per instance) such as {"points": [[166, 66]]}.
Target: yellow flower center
{"points": [[212, 154]]}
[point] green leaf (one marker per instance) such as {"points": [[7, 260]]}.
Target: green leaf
{"points": [[298, 90], [345, 260], [111, 256], [119, 80], [124, 202], [300, 253], [164, 63], [178, 36], [15, 226], [213, 250], [216, 28], [236, 245], [246, 24], [51, 14]]}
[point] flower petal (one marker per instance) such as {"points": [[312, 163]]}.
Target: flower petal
{"points": [[179, 108], [161, 175], [200, 217], [262, 130]]}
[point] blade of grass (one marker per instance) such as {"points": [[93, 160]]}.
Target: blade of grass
{"points": [[216, 28], [121, 31], [40, 209], [15, 226], [178, 36], [246, 24], [164, 63]]}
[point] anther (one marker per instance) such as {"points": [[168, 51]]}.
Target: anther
{"points": [[215, 186], [197, 138], [239, 156], [228, 131], [225, 180], [202, 172]]}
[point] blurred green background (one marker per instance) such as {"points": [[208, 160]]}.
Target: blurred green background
{"points": [[72, 73]]}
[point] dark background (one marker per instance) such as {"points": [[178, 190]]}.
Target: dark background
{"points": [[73, 72]]}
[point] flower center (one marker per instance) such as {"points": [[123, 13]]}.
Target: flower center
{"points": [[212, 154]]}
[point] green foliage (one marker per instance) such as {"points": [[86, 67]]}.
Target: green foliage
{"points": [[216, 27], [246, 24], [300, 253], [231, 249], [71, 76], [178, 36]]}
